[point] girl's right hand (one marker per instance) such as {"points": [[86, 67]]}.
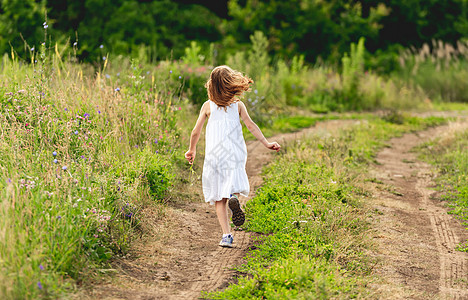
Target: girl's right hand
{"points": [[190, 156], [274, 146]]}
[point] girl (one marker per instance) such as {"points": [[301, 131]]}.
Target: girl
{"points": [[224, 175]]}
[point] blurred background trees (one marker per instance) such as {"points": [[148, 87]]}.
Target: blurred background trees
{"points": [[161, 29]]}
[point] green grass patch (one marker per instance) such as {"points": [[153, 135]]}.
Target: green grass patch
{"points": [[311, 218]]}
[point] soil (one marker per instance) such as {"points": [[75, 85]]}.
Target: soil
{"points": [[180, 257], [416, 239]]}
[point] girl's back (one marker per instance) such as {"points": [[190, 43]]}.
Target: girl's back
{"points": [[225, 154]]}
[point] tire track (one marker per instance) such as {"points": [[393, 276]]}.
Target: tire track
{"points": [[416, 238], [452, 263]]}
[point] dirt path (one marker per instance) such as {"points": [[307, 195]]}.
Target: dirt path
{"points": [[189, 259], [416, 238]]}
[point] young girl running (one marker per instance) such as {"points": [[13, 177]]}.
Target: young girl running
{"points": [[224, 177]]}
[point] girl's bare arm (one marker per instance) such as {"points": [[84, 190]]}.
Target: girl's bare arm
{"points": [[195, 136], [254, 129]]}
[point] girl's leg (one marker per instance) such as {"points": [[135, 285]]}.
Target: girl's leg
{"points": [[221, 212]]}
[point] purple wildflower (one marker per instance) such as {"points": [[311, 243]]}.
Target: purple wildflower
{"points": [[102, 46], [76, 132], [117, 89], [41, 267], [55, 161], [64, 168], [54, 153], [39, 285]]}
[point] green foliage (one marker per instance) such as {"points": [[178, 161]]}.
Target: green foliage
{"points": [[165, 28], [353, 69]]}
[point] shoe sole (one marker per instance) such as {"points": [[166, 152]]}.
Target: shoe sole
{"points": [[238, 216], [226, 246]]}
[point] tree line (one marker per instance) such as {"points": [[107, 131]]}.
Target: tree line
{"points": [[319, 30]]}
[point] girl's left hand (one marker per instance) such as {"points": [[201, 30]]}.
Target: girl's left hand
{"points": [[190, 156], [274, 146]]}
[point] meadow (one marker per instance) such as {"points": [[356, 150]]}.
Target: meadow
{"points": [[84, 148]]}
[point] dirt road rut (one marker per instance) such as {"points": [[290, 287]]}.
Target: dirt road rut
{"points": [[416, 238]]}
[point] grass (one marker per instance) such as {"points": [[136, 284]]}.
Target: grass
{"points": [[449, 155], [81, 155], [312, 218]]}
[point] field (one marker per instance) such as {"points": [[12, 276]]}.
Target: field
{"points": [[92, 168]]}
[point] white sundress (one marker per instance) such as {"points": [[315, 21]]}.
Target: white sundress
{"points": [[225, 155]]}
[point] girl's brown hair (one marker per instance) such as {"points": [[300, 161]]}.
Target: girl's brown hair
{"points": [[225, 85]]}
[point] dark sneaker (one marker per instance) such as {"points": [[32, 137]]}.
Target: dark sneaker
{"points": [[227, 241], [238, 216]]}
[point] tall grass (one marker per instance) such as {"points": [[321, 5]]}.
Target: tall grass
{"points": [[439, 69], [320, 88], [81, 153]]}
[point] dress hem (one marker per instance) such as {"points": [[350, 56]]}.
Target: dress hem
{"points": [[213, 201]]}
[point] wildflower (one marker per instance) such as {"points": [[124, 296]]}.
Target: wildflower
{"points": [[107, 76], [147, 72], [43, 24], [64, 168], [180, 77], [41, 267], [59, 217], [76, 132], [46, 26], [170, 71], [332, 181], [180, 108], [117, 89], [118, 74], [39, 285], [66, 109], [102, 46], [82, 156], [43, 43], [256, 92], [32, 49], [9, 180], [86, 115], [98, 111], [103, 58], [27, 124], [75, 43], [55, 161], [54, 153], [155, 141]]}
